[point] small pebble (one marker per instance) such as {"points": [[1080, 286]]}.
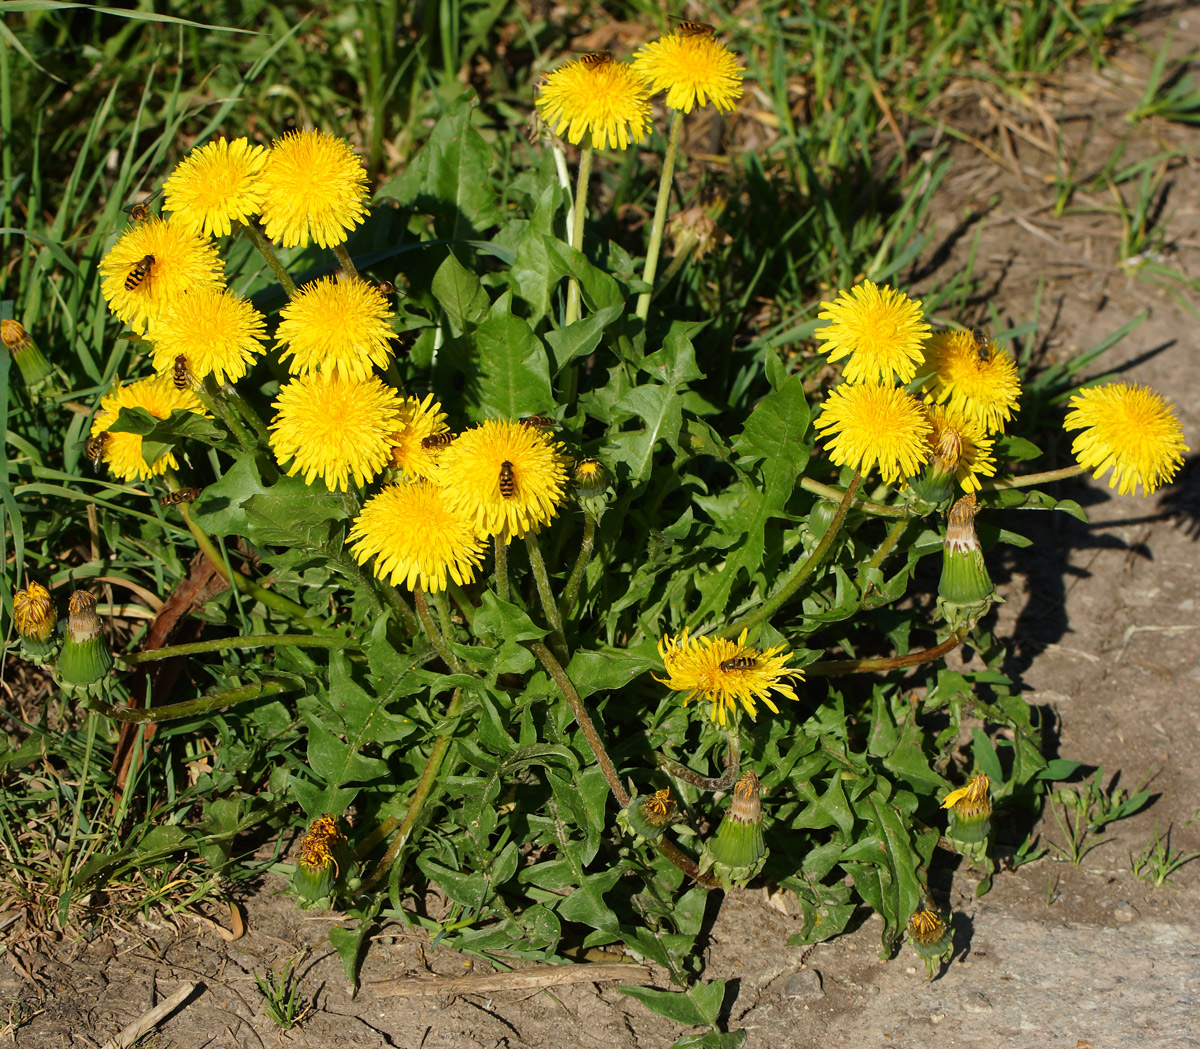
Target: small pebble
{"points": [[804, 984], [1124, 911], [976, 1003]]}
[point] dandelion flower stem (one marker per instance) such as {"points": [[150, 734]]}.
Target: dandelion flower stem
{"points": [[383, 592], [558, 640], [436, 638], [258, 238], [210, 395], [555, 670], [834, 495], [1029, 480], [882, 664], [462, 601], [586, 546], [192, 707], [564, 180], [246, 410], [420, 795], [223, 644], [343, 256], [733, 761], [576, 241], [660, 214], [247, 586], [885, 548], [501, 548], [443, 609], [802, 572]]}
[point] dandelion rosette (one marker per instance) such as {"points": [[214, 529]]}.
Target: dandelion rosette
{"points": [[123, 451], [412, 450], [1129, 429], [415, 538], [218, 333], [336, 326], [867, 425], [215, 186], [691, 68], [171, 262], [881, 330], [726, 673], [313, 186], [334, 428], [960, 447], [470, 472], [980, 383], [604, 99]]}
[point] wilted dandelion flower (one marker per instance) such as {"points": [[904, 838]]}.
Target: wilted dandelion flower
{"points": [[691, 68], [881, 330], [1130, 429], [960, 448], [336, 326], [508, 478], [152, 264], [415, 538], [980, 382], [123, 451], [215, 186], [334, 428], [602, 98], [867, 425], [218, 334], [422, 436], [33, 613], [313, 186], [726, 673]]}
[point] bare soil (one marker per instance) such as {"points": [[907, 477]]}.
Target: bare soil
{"points": [[1103, 635]]}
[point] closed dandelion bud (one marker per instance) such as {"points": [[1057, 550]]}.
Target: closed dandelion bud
{"points": [[84, 657], [737, 852], [936, 484], [930, 937], [35, 369], [324, 856], [965, 592], [647, 817], [591, 479], [970, 811], [34, 614]]}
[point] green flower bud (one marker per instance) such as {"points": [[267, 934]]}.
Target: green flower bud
{"points": [[931, 938], [737, 852], [85, 657], [970, 811], [965, 592], [647, 817], [35, 369]]}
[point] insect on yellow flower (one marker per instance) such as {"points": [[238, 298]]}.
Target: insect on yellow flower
{"points": [[602, 99], [692, 66]]}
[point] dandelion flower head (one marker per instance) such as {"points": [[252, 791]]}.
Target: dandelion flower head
{"points": [[1129, 429], [881, 330], [216, 332], [151, 265], [416, 447], [960, 447], [335, 428], [313, 187], [215, 186], [597, 96], [691, 68], [726, 673], [980, 382], [336, 326], [123, 451], [510, 479], [415, 538], [867, 425]]}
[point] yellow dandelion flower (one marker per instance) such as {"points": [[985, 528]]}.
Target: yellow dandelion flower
{"points": [[123, 451], [336, 326], [1130, 429], [422, 436], [726, 673], [510, 479], [152, 264], [960, 447], [691, 68], [871, 425], [881, 330], [216, 186], [416, 539], [33, 613], [313, 186], [334, 428], [601, 97], [217, 333], [979, 381], [972, 798]]}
